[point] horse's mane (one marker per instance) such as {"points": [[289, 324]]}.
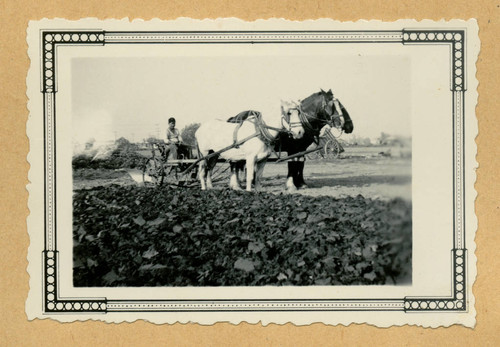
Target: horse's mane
{"points": [[313, 99]]}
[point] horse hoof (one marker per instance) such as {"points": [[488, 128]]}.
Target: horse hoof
{"points": [[291, 189]]}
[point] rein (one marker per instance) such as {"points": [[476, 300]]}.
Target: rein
{"points": [[211, 155], [305, 116], [263, 129], [305, 120]]}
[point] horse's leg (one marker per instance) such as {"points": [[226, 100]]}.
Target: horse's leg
{"points": [[292, 170], [234, 182], [209, 179], [295, 173], [250, 172], [202, 174], [259, 170], [240, 168], [210, 168], [300, 173]]}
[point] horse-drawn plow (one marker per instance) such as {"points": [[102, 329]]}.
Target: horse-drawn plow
{"points": [[160, 170]]}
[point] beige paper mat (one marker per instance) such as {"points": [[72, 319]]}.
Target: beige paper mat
{"points": [[14, 327]]}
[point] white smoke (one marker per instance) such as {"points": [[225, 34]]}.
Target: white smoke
{"points": [[93, 135]]}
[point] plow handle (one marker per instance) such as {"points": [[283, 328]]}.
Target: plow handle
{"points": [[236, 144]]}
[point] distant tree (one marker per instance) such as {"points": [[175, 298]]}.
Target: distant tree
{"points": [[366, 141], [151, 140], [187, 133], [383, 138], [90, 143], [122, 144], [400, 141], [353, 140]]}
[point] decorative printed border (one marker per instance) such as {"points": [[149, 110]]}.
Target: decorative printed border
{"points": [[54, 303]]}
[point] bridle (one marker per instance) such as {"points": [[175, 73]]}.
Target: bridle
{"points": [[336, 117], [286, 123], [262, 129]]}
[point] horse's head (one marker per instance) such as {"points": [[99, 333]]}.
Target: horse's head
{"points": [[290, 120], [340, 117], [316, 111], [334, 112]]}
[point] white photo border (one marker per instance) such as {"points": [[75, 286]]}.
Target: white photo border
{"points": [[55, 303]]}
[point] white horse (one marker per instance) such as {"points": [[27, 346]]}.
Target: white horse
{"points": [[254, 137]]}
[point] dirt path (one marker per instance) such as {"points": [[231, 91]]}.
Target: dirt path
{"points": [[383, 178], [372, 177]]}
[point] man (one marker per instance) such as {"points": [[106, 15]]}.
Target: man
{"points": [[173, 139]]}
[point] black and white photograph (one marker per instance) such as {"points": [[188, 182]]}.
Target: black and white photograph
{"points": [[198, 178], [313, 168]]}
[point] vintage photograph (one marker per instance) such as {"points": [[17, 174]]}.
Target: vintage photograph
{"points": [[270, 171], [242, 171]]}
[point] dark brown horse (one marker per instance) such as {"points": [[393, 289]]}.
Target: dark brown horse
{"points": [[315, 111]]}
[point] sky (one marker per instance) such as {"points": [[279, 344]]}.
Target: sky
{"points": [[134, 96]]}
